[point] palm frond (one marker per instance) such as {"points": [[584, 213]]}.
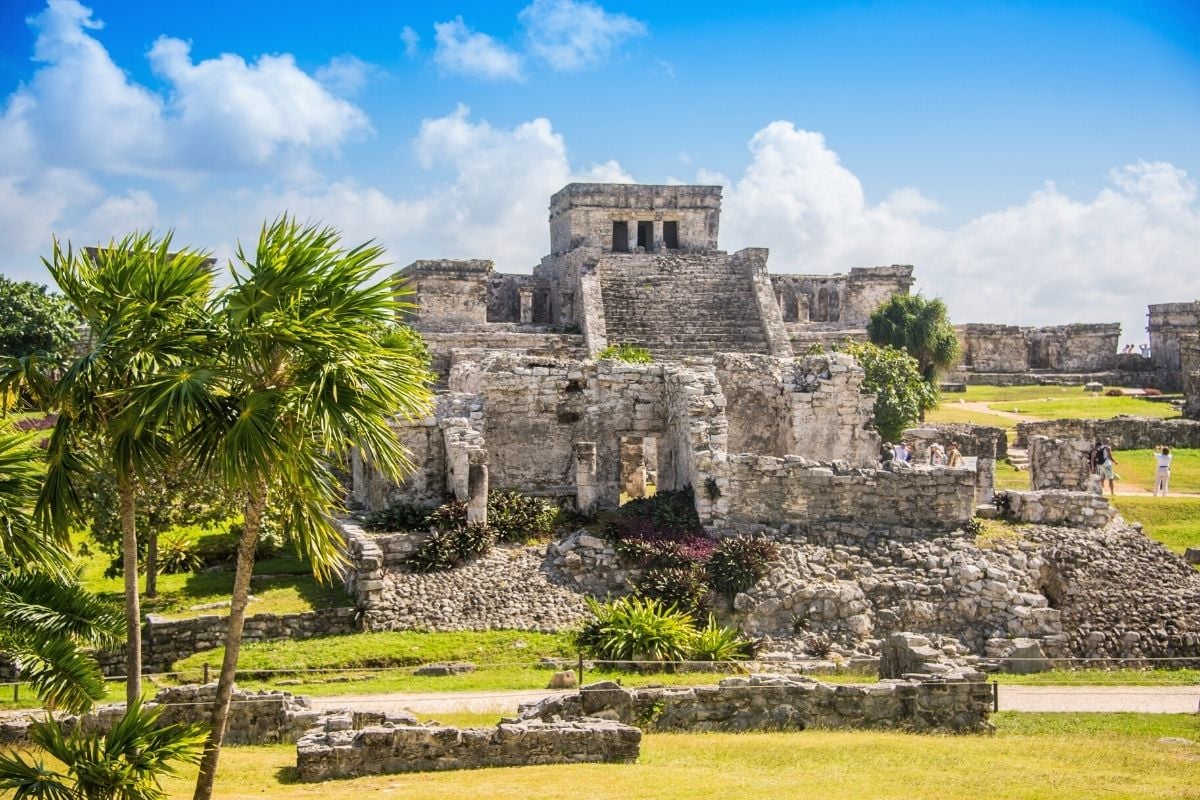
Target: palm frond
{"points": [[63, 674]]}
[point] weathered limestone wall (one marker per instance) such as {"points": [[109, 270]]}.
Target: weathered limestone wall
{"points": [[264, 717], [518, 298], [1189, 353], [1061, 463], [449, 293], [1059, 348], [1125, 433], [1146, 378], [769, 491], [956, 702], [582, 215], [447, 347], [335, 751], [1167, 322], [810, 406], [1060, 507], [165, 641], [840, 298], [980, 441]]}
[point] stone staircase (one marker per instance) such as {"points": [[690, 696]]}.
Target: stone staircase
{"points": [[678, 305]]}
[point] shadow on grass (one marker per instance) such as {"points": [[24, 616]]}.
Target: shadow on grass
{"points": [[287, 776]]}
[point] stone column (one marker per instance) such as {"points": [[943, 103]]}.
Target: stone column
{"points": [[525, 293], [985, 480], [477, 488], [633, 467], [587, 493]]}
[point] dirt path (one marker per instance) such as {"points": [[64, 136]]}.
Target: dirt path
{"points": [[1142, 699], [982, 407]]}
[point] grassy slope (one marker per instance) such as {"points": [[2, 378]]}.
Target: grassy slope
{"points": [[1060, 756], [1088, 407], [1174, 521], [280, 585]]}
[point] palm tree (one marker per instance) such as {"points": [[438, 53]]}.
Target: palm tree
{"points": [[47, 623], [124, 764], [147, 309], [307, 371]]}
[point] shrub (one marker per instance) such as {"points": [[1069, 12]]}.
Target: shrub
{"points": [[515, 517], [739, 562], [814, 349], [1114, 392], [629, 353], [973, 526], [818, 644], [636, 629], [448, 516], [398, 517], [178, 552], [894, 377], [446, 548], [683, 587], [1148, 392], [675, 511], [715, 642]]}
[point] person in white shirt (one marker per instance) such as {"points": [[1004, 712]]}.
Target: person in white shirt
{"points": [[1162, 476]]}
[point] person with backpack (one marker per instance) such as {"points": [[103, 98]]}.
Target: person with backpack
{"points": [[1102, 463]]}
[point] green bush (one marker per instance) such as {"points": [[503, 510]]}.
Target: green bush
{"points": [[739, 562], [629, 353], [636, 629], [515, 517], [716, 642], [448, 516], [446, 548], [178, 552], [398, 517], [684, 587], [894, 377], [673, 511]]}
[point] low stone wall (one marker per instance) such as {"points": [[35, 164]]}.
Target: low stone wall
{"points": [[1125, 433], [1163, 380], [955, 703], [767, 491], [1060, 507], [165, 641], [254, 717], [1061, 464], [332, 751], [979, 441]]}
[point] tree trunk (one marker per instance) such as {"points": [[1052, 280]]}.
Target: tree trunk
{"points": [[255, 504], [151, 562], [133, 611]]}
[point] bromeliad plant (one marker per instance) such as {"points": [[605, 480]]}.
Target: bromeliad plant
{"points": [[635, 629]]}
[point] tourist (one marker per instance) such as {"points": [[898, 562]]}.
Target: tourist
{"points": [[936, 456], [1102, 463], [953, 457], [1162, 475], [886, 453], [1145, 351], [903, 453]]}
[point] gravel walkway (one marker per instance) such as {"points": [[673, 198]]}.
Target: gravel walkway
{"points": [[1143, 699]]}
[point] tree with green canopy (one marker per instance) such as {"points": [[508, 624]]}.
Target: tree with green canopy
{"points": [[308, 367], [919, 326], [35, 320], [149, 313], [894, 377]]}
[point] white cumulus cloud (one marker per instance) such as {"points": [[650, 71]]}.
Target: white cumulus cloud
{"points": [[569, 34], [463, 51], [1052, 259]]}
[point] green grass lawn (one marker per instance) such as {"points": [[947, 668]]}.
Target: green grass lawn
{"points": [[1174, 521], [1137, 468], [1088, 407], [1009, 477], [281, 585], [947, 412], [1032, 757], [1104, 677]]}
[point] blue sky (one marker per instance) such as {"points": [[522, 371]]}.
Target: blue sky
{"points": [[1037, 162]]}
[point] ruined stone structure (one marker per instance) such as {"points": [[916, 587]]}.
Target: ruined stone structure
{"points": [[1167, 323], [636, 264]]}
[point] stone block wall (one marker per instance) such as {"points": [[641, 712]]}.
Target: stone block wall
{"points": [[1059, 348], [981, 443], [959, 702], [1125, 433], [1060, 507], [448, 293], [165, 641], [264, 717], [846, 299], [1061, 464], [768, 491], [331, 751], [1189, 350], [1167, 323], [582, 215]]}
